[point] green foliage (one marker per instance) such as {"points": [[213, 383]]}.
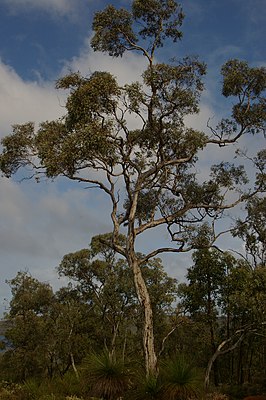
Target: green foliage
{"points": [[64, 152], [145, 387], [240, 78], [228, 175], [200, 297], [17, 149], [177, 86], [159, 25], [177, 379], [34, 390], [90, 97], [225, 297], [260, 162], [253, 230], [101, 246], [113, 31], [62, 388], [248, 84], [99, 308], [105, 283], [29, 295], [247, 298], [45, 331], [180, 380], [107, 376]]}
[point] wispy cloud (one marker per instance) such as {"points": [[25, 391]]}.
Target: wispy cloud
{"points": [[254, 10], [127, 69], [22, 101], [55, 7]]}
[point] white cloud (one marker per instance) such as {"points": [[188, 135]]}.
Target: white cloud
{"points": [[224, 53], [56, 7], [22, 101], [127, 69], [41, 220], [40, 223]]}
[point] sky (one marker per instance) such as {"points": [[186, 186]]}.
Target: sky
{"points": [[41, 40]]}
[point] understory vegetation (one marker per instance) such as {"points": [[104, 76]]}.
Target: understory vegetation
{"points": [[85, 340]]}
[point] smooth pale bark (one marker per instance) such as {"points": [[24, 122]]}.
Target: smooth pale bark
{"points": [[219, 352], [140, 285], [74, 366], [148, 335]]}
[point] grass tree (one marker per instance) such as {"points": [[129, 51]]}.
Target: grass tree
{"points": [[181, 380], [106, 375]]}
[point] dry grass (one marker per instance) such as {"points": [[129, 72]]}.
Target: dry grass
{"points": [[217, 396]]}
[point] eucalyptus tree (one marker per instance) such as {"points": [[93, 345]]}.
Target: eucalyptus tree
{"points": [[149, 171], [104, 283], [227, 296], [202, 295], [246, 305], [253, 231], [48, 333], [28, 333], [105, 286]]}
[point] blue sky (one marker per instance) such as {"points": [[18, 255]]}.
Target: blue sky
{"points": [[43, 39]]}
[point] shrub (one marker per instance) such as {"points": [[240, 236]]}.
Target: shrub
{"points": [[180, 380], [107, 376]]}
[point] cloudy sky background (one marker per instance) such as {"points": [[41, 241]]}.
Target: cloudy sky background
{"points": [[43, 39]]}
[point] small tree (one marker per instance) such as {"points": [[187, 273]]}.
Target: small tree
{"points": [[227, 296], [148, 172], [104, 282], [202, 295], [28, 334], [48, 332]]}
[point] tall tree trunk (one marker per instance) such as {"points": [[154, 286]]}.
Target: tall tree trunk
{"points": [[148, 334], [215, 364], [240, 366], [211, 327], [141, 289], [249, 374]]}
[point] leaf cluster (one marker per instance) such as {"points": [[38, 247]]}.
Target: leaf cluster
{"points": [[17, 148], [117, 30], [162, 23], [177, 379], [253, 230], [248, 85], [107, 374]]}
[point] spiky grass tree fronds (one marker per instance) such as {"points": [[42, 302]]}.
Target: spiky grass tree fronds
{"points": [[145, 387], [181, 381], [107, 377]]}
